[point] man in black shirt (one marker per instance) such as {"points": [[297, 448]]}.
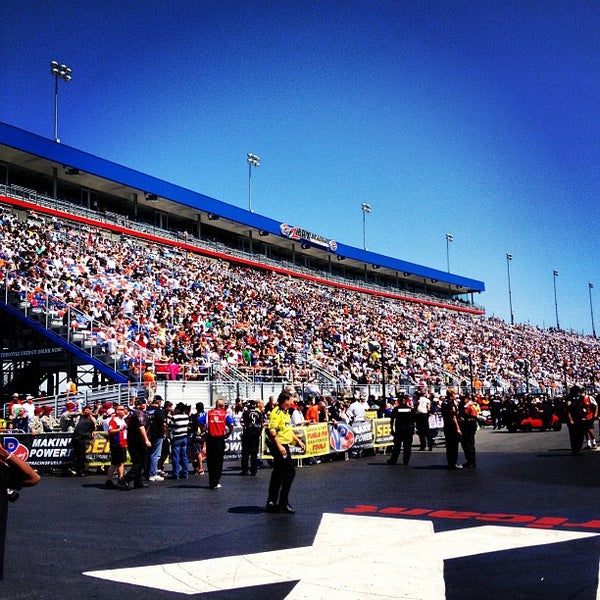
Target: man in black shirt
{"points": [[252, 422], [402, 421], [157, 432], [138, 443], [452, 431], [84, 430]]}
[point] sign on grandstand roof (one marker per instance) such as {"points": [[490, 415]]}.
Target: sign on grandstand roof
{"points": [[297, 233]]}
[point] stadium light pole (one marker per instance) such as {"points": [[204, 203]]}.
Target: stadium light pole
{"points": [[63, 72], [449, 238], [253, 161], [366, 208], [590, 288], [509, 257], [554, 276]]}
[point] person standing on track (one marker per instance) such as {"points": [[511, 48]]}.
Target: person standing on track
{"points": [[452, 431], [280, 437], [218, 425]]}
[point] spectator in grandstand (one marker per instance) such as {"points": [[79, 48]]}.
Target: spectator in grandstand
{"points": [[71, 390], [84, 431], [149, 381], [312, 411], [36, 425], [280, 437], [14, 475], [269, 406], [15, 406], [69, 417], [323, 411], [29, 407], [49, 420], [297, 413], [218, 426], [179, 427], [20, 422], [425, 343], [337, 412], [357, 411], [236, 412]]}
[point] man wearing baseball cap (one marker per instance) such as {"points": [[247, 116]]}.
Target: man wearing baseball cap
{"points": [[138, 443]]}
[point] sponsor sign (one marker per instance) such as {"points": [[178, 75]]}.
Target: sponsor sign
{"points": [[298, 233], [53, 450]]}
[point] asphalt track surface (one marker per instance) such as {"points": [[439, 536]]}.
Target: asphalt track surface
{"points": [[385, 531]]}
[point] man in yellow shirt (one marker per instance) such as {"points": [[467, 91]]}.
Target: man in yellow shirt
{"points": [[280, 435]]}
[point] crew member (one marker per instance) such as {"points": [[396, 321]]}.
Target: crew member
{"points": [[402, 421], [452, 431], [138, 443], [575, 418], [280, 436], [467, 419], [252, 422], [218, 425]]}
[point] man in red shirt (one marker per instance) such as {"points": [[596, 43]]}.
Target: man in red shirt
{"points": [[218, 426]]}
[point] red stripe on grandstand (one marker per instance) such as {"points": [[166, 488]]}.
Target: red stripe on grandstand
{"points": [[159, 240]]}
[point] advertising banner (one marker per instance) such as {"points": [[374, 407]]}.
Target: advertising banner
{"points": [[50, 451]]}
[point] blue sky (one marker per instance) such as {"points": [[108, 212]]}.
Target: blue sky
{"points": [[475, 118]]}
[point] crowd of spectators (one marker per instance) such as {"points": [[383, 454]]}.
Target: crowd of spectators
{"points": [[191, 313]]}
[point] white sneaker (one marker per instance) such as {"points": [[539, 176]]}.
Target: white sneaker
{"points": [[156, 478]]}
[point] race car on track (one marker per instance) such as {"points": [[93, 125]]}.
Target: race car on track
{"points": [[535, 422]]}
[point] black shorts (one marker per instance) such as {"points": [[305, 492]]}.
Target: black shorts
{"points": [[118, 455]]}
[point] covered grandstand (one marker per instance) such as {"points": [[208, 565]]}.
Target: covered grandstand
{"points": [[92, 205]]}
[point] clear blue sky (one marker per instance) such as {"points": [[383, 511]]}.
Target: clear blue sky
{"points": [[476, 118]]}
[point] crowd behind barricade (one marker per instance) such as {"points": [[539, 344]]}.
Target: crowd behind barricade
{"points": [[150, 433], [192, 312]]}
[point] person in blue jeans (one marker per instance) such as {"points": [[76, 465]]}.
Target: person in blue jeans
{"points": [[179, 426], [157, 433]]}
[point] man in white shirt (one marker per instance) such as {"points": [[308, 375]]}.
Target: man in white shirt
{"points": [[357, 411]]}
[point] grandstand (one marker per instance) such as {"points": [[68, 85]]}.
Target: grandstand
{"points": [[106, 271]]}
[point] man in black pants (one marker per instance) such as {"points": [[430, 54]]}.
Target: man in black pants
{"points": [[575, 418], [84, 430], [280, 437], [138, 443], [252, 422], [402, 421], [452, 431], [218, 425], [467, 418]]}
